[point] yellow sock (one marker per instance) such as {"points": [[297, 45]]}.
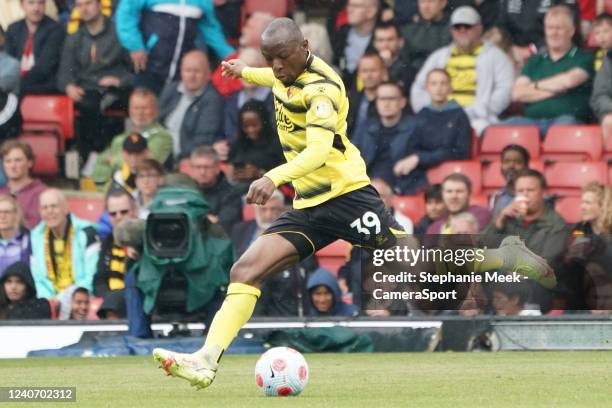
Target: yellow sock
{"points": [[493, 260], [235, 311]]}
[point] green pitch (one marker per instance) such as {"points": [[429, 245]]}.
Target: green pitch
{"points": [[519, 379]]}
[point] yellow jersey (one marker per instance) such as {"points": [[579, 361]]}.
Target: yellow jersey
{"points": [[311, 119]]}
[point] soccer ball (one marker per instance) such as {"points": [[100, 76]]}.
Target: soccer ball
{"points": [[281, 371]]}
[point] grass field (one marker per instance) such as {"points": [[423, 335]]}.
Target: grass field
{"points": [[511, 379]]}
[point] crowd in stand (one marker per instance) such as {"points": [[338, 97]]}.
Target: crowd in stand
{"points": [[422, 77]]}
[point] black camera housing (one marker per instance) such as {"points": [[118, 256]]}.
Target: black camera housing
{"points": [[168, 235]]}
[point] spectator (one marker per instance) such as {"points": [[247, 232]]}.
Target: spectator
{"points": [[74, 303], [224, 200], [425, 33], [149, 178], [143, 114], [158, 35], [10, 118], [523, 22], [514, 159], [464, 223], [555, 85], [384, 140], [134, 151], [481, 74], [456, 193], [113, 307], [70, 16], [434, 209], [601, 99], [324, 296], [64, 248], [17, 162], [540, 226], [371, 72], [509, 300], [113, 263], [257, 148], [318, 41], [9, 69], [14, 239], [191, 108], [355, 38], [36, 41], [442, 132], [592, 211], [252, 29], [602, 33], [236, 100], [95, 73], [12, 11], [386, 194], [18, 295], [388, 42]]}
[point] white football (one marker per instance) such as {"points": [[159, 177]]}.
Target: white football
{"points": [[281, 371]]}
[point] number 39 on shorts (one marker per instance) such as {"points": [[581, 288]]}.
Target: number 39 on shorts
{"points": [[367, 221]]}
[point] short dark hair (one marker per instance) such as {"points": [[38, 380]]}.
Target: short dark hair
{"points": [[150, 165], [602, 18], [462, 178], [433, 192], [516, 148], [532, 173], [398, 85], [80, 290], [119, 192], [385, 25], [372, 54]]}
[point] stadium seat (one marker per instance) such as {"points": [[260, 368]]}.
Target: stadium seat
{"points": [[608, 6], [479, 199], [496, 138], [471, 168], [474, 150], [572, 143], [568, 178], [569, 208], [278, 8], [333, 256], [248, 212], [412, 207], [607, 153], [492, 179], [45, 148], [88, 207], [95, 303], [49, 113]]}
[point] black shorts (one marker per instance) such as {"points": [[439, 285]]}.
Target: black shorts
{"points": [[359, 217]]}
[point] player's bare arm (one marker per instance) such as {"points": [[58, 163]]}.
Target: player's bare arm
{"points": [[232, 68]]}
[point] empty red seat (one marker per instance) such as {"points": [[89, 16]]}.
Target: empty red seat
{"points": [[333, 256], [412, 207], [49, 113], [568, 178], [86, 207], [573, 143], [479, 199], [470, 168], [496, 138], [45, 148], [569, 208]]}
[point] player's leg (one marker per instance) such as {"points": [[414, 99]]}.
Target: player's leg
{"points": [[267, 255]]}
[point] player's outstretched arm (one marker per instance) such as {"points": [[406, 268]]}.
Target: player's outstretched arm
{"points": [[232, 68], [260, 191], [236, 68]]}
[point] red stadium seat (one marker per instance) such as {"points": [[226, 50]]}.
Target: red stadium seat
{"points": [[608, 6], [479, 199], [568, 178], [86, 207], [333, 256], [49, 113], [412, 207], [569, 208], [572, 143], [471, 168], [607, 154], [496, 138], [474, 150], [278, 8], [45, 148], [492, 179], [248, 212]]}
